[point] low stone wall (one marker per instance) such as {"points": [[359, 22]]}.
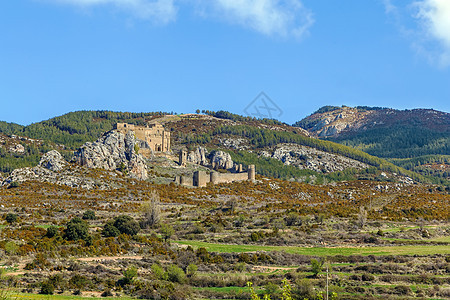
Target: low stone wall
{"points": [[184, 180], [216, 177]]}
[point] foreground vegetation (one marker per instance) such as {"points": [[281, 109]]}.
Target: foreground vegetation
{"points": [[142, 240]]}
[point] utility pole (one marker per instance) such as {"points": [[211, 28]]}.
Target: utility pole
{"points": [[327, 280]]}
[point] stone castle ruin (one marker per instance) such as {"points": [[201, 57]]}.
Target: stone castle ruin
{"points": [[201, 178], [151, 138], [219, 160]]}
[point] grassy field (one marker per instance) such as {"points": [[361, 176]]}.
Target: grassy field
{"points": [[323, 251]]}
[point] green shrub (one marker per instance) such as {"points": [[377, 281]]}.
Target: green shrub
{"points": [[316, 266], [367, 277], [109, 230], [158, 272], [126, 224], [107, 293], [191, 270], [402, 290], [78, 281], [166, 231], [47, 288], [13, 184], [51, 231], [304, 289], [89, 215], [11, 218], [76, 229], [130, 273], [128, 276], [176, 274]]}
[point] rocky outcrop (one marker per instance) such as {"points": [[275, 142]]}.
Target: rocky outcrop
{"points": [[53, 161], [17, 148], [312, 159], [221, 160], [198, 156], [334, 121], [235, 143], [113, 151], [52, 168]]}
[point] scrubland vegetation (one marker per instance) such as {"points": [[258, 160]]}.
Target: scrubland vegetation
{"points": [[292, 234], [148, 241]]}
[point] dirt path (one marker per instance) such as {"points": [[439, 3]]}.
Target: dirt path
{"points": [[264, 269], [103, 258], [21, 266]]}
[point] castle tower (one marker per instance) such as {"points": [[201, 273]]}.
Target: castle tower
{"points": [[200, 178], [251, 172], [183, 158]]}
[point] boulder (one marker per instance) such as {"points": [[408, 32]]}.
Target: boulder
{"points": [[113, 151], [221, 160], [53, 160]]}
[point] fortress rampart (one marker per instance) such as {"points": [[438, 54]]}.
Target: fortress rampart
{"points": [[201, 178]]}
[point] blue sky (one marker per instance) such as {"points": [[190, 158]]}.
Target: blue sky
{"points": [[58, 56]]}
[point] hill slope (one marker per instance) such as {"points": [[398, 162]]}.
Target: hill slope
{"points": [[417, 139], [278, 150], [383, 132]]}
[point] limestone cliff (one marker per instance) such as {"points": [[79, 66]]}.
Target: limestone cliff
{"points": [[221, 160], [113, 151], [198, 156]]}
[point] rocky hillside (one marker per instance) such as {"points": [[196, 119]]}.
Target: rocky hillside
{"points": [[383, 132], [277, 149], [417, 139], [334, 121]]}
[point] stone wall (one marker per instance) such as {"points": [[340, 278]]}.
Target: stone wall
{"points": [[216, 177], [201, 178]]}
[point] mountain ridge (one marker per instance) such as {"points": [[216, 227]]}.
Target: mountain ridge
{"points": [[248, 139]]}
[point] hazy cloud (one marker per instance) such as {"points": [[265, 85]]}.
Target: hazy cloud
{"points": [[389, 7], [287, 18], [270, 17]]}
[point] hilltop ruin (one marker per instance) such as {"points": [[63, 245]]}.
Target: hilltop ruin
{"points": [[151, 138]]}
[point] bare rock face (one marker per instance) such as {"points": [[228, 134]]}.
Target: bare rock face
{"points": [[53, 160], [52, 169], [221, 160], [113, 151], [305, 157], [198, 156]]}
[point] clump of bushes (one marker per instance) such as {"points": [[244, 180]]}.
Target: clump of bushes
{"points": [[11, 218], [121, 224], [89, 215], [77, 229]]}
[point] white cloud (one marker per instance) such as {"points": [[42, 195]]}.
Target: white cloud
{"points": [[159, 11], [389, 7], [431, 37], [434, 19], [287, 18], [270, 17]]}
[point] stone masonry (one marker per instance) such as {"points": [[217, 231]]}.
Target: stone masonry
{"points": [[152, 138]]}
